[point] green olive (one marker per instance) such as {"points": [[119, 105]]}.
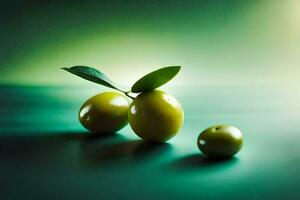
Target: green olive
{"points": [[220, 141], [104, 113], [155, 116]]}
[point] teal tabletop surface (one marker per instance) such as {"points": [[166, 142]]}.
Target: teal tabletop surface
{"points": [[46, 154]]}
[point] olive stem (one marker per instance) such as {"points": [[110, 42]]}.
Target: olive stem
{"points": [[127, 94]]}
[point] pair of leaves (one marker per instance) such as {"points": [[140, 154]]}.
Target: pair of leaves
{"points": [[148, 82]]}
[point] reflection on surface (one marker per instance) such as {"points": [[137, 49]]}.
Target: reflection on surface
{"points": [[118, 149], [198, 162], [77, 149]]}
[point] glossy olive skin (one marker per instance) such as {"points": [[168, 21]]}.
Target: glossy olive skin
{"points": [[155, 116], [220, 141], [104, 113]]}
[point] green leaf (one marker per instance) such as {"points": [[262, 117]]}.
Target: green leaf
{"points": [[155, 79], [93, 75]]}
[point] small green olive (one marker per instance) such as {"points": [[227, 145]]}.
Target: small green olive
{"points": [[220, 141], [155, 116], [104, 113]]}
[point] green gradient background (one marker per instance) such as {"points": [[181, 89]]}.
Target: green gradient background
{"points": [[217, 42], [240, 66]]}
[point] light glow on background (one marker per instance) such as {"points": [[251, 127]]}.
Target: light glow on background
{"points": [[253, 43]]}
